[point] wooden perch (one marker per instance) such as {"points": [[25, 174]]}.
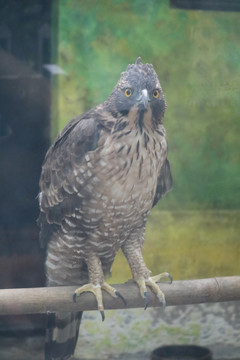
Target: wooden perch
{"points": [[41, 300]]}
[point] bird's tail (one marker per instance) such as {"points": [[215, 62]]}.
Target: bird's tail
{"points": [[61, 335]]}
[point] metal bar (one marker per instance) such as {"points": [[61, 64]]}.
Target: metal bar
{"points": [[41, 300], [209, 5]]}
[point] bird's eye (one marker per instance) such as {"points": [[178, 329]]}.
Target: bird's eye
{"points": [[156, 93], [128, 92]]}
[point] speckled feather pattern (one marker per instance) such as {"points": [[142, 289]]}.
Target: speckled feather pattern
{"points": [[99, 181], [114, 187]]}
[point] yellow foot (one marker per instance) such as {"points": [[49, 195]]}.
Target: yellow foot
{"points": [[97, 291], [152, 283]]}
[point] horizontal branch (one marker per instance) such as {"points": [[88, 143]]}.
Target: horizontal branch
{"points": [[41, 300]]}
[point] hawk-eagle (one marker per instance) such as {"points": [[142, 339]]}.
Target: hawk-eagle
{"points": [[100, 178]]}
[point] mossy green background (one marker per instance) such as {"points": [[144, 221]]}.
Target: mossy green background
{"points": [[193, 232], [189, 244]]}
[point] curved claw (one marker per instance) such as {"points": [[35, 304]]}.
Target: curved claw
{"points": [[170, 278], [102, 314], [146, 295], [157, 278], [121, 297]]}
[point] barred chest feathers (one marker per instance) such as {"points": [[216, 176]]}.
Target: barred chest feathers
{"points": [[126, 167]]}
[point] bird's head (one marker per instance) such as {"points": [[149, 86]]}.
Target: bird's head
{"points": [[139, 88]]}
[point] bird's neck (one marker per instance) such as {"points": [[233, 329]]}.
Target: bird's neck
{"points": [[135, 119]]}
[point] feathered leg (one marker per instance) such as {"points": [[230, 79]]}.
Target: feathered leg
{"points": [[132, 249]]}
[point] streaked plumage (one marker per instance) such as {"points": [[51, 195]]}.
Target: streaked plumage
{"points": [[99, 181]]}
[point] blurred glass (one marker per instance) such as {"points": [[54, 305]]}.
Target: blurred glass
{"points": [[61, 58]]}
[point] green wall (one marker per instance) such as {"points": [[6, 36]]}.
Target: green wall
{"points": [[196, 55]]}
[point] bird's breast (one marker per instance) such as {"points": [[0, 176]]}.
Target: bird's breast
{"points": [[116, 185], [119, 178], [129, 164]]}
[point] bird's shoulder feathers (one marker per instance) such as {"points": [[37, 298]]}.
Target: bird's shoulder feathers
{"points": [[58, 187]]}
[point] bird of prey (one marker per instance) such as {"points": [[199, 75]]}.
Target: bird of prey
{"points": [[100, 178]]}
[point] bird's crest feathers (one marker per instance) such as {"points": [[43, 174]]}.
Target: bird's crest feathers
{"points": [[138, 61], [138, 64], [139, 70]]}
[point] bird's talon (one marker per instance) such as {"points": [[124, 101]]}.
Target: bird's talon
{"points": [[170, 279], [102, 314], [121, 297], [96, 290], [152, 283], [159, 277], [146, 295]]}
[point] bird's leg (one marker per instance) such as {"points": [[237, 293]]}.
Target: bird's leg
{"points": [[141, 274], [97, 284]]}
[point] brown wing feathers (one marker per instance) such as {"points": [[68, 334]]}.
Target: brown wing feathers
{"points": [[165, 182], [59, 187]]}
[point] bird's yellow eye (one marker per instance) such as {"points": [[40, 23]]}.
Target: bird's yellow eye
{"points": [[156, 93], [128, 92]]}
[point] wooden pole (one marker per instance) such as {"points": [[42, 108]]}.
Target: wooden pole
{"points": [[41, 300]]}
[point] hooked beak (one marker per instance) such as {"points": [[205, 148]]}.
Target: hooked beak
{"points": [[143, 99]]}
